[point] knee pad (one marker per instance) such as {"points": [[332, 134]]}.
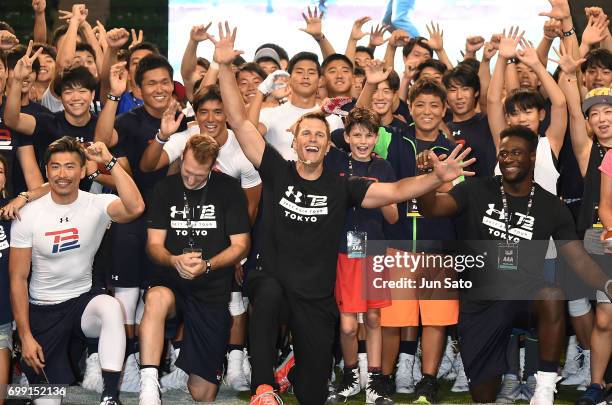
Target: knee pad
{"points": [[128, 297], [236, 305], [579, 307]]}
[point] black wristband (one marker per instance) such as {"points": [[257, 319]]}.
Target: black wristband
{"points": [[92, 176], [512, 61], [111, 164], [113, 98], [569, 33]]}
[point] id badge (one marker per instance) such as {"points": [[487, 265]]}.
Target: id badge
{"points": [[507, 256], [356, 244], [412, 209], [596, 220]]}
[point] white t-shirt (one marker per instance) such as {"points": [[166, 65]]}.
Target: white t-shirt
{"points": [[64, 240], [279, 119], [231, 159]]}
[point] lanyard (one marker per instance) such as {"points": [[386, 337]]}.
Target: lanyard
{"points": [[601, 149], [351, 174], [507, 215], [187, 209]]}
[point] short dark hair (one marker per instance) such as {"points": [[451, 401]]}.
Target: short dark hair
{"points": [[206, 94], [143, 46], [313, 116], [17, 52], [523, 99], [151, 62], [393, 80], [430, 63], [66, 144], [46, 49], [78, 76], [4, 26], [298, 57], [472, 63], [334, 57], [239, 61], [426, 85], [365, 49], [462, 75], [282, 54], [523, 132], [599, 57], [61, 31], [359, 71], [253, 68], [420, 41], [85, 47], [205, 63], [363, 117]]}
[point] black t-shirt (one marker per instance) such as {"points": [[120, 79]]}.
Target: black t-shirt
{"points": [[136, 129], [6, 315], [482, 215], [222, 213], [303, 220], [475, 133], [589, 208]]}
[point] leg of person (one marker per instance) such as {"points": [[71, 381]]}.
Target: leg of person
{"points": [[236, 354], [400, 18], [582, 318], [129, 297], [349, 386], [6, 346], [103, 318], [377, 388], [510, 390]]}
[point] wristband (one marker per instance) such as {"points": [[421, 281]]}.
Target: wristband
{"points": [[158, 139], [111, 164], [569, 33], [25, 195], [512, 61], [321, 38], [92, 176], [113, 98]]}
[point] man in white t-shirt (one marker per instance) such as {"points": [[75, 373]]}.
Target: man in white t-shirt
{"points": [[59, 234], [167, 149], [305, 72]]}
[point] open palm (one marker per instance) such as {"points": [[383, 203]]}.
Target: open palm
{"points": [[224, 46], [450, 168]]}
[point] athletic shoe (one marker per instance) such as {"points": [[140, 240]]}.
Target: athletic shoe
{"points": [[448, 359], [528, 388], [545, 388], [235, 377], [246, 366], [375, 390], [404, 380], [363, 369], [416, 371], [149, 387], [594, 395], [110, 401], [571, 362], [282, 371], [174, 353], [426, 390], [130, 380], [585, 371], [389, 385], [92, 380], [580, 373], [174, 380], [461, 381], [510, 390], [522, 362], [349, 386], [265, 395]]}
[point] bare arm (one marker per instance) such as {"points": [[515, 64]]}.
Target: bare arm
{"points": [[253, 195], [390, 213], [40, 22], [91, 39], [67, 48], [398, 39], [236, 251], [190, 57], [115, 38], [583, 265], [29, 167], [437, 205], [19, 270], [605, 201], [153, 158], [484, 75], [436, 42], [356, 35], [495, 107], [105, 126], [376, 72], [314, 29]]}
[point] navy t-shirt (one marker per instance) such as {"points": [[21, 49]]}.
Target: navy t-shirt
{"points": [[476, 134], [6, 315], [9, 142]]}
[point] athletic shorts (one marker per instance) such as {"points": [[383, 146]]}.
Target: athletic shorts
{"points": [[131, 264], [6, 336], [103, 261], [54, 327], [354, 288]]}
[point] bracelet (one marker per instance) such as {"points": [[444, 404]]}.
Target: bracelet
{"points": [[158, 139], [208, 266], [25, 195], [111, 164], [93, 175], [569, 33], [113, 98]]}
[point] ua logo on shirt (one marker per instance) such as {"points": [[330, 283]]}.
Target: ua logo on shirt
{"points": [[311, 207], [65, 239], [296, 196]]}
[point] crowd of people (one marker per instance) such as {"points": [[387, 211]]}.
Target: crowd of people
{"points": [[160, 235]]}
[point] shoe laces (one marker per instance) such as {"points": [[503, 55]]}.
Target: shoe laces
{"points": [[267, 398]]}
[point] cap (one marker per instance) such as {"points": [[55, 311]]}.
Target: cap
{"points": [[267, 53], [601, 95]]}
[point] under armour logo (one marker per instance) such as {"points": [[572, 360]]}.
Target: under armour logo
{"points": [[457, 133], [80, 139], [492, 210], [174, 211], [63, 219], [116, 278], [296, 195]]}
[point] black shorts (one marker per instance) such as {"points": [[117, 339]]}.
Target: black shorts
{"points": [[131, 264], [484, 337], [103, 261], [54, 327]]}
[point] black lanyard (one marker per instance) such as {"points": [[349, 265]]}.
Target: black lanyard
{"points": [[507, 215], [188, 214], [351, 174], [601, 149]]}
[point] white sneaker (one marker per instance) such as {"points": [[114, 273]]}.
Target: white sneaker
{"points": [[571, 362], [583, 372], [235, 377], [416, 371], [363, 370], [174, 380], [545, 388], [92, 380], [246, 366], [461, 381], [448, 358], [404, 381], [149, 387], [174, 353], [130, 380], [348, 387]]}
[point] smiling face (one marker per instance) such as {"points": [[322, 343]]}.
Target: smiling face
{"points": [[382, 99], [312, 141], [600, 120], [247, 84], [76, 100], [26, 84], [304, 78], [338, 78], [461, 99], [86, 59], [427, 110], [361, 141], [156, 88], [597, 76], [516, 162], [211, 118], [64, 171], [527, 77], [47, 68], [529, 118]]}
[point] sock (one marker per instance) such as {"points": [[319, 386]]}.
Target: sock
{"points": [[512, 356], [231, 347], [130, 346], [361, 346], [111, 384], [532, 356], [375, 370], [177, 345], [408, 346], [92, 346], [548, 366]]}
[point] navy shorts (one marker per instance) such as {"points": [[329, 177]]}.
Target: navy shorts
{"points": [[54, 327], [131, 264]]}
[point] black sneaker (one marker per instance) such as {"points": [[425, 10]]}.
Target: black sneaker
{"points": [[594, 395], [110, 401], [349, 386], [376, 390], [426, 390], [389, 385]]}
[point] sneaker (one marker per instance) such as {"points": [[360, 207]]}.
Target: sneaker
{"points": [[130, 380], [174, 353], [389, 385], [426, 390], [528, 388], [265, 395], [149, 387], [246, 366], [448, 359], [580, 373], [545, 388], [522, 362], [594, 395], [92, 380], [235, 377], [363, 369], [349, 386], [110, 401], [375, 390], [585, 371], [510, 390], [174, 380], [416, 371], [404, 380], [282, 371], [461, 381], [571, 363]]}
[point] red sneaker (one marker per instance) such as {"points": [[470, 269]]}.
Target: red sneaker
{"points": [[265, 395], [281, 373]]}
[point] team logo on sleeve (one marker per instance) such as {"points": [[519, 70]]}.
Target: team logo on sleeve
{"points": [[303, 208], [66, 239]]}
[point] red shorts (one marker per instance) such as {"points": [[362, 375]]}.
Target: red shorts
{"points": [[354, 285]]}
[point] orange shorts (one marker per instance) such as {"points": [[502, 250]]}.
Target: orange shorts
{"points": [[354, 288]]}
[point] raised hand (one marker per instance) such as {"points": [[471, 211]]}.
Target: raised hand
{"points": [[118, 79], [39, 6], [377, 35], [314, 26], [224, 47], [79, 12], [170, 121], [489, 51], [357, 32], [198, 33], [508, 44], [270, 83], [376, 71], [399, 38], [450, 168], [528, 55], [101, 34], [24, 65], [7, 40], [595, 31], [552, 29], [495, 40], [98, 152], [559, 10], [436, 37], [136, 39], [566, 62], [473, 44], [117, 38]]}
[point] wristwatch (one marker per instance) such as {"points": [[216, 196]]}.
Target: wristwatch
{"points": [[208, 266], [25, 195]]}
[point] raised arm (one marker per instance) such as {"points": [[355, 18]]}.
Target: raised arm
{"points": [[40, 23], [251, 141], [116, 39], [29, 166], [436, 42], [314, 29], [105, 127], [356, 34], [560, 10], [437, 205], [190, 58], [91, 39], [67, 47], [552, 30], [154, 157], [473, 45], [595, 32], [376, 72], [484, 74]]}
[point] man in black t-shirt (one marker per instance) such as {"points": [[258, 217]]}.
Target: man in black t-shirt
{"points": [[524, 217], [198, 229], [304, 214]]}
